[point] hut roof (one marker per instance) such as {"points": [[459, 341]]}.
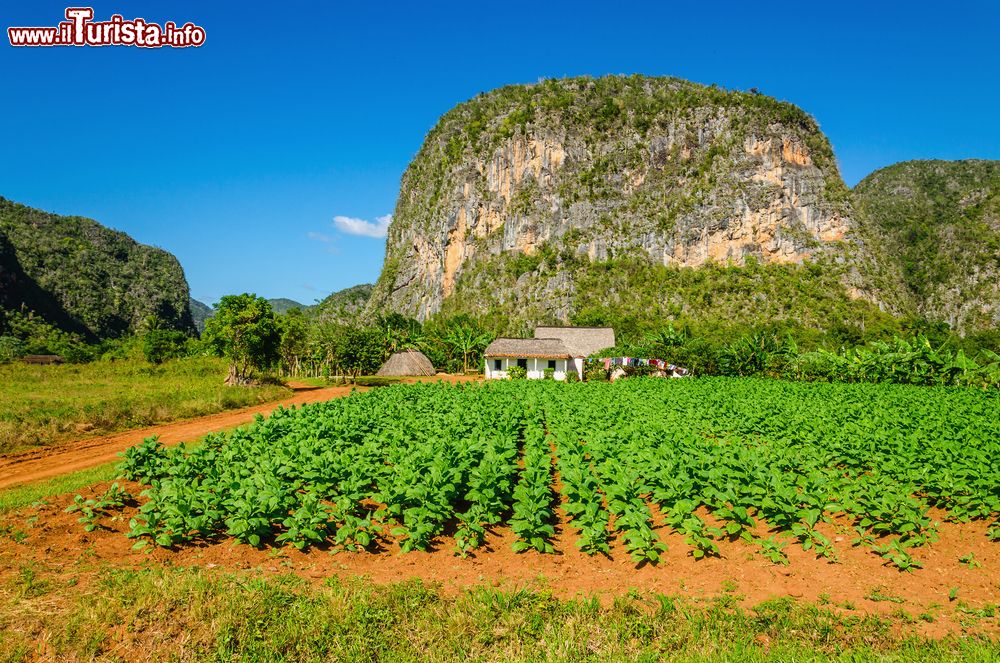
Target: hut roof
{"points": [[408, 362], [42, 359], [539, 348], [580, 341]]}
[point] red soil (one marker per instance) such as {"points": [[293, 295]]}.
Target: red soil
{"points": [[57, 542]]}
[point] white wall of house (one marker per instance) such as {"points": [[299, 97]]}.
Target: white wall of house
{"points": [[496, 367]]}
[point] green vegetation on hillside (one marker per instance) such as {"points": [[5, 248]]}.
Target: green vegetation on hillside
{"points": [[938, 223], [42, 405], [345, 305], [200, 313], [84, 278], [283, 304], [637, 297]]}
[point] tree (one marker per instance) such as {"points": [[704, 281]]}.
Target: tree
{"points": [[400, 332], [244, 331], [663, 340], [360, 350], [159, 343], [467, 341], [294, 339]]}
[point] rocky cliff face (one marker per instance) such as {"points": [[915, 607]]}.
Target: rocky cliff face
{"points": [[938, 225], [524, 186]]}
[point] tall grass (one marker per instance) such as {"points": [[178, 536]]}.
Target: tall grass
{"points": [[41, 405]]}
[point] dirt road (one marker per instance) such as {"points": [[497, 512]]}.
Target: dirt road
{"points": [[51, 461], [47, 462]]}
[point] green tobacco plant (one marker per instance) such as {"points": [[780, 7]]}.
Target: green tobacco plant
{"points": [[709, 459], [92, 510]]}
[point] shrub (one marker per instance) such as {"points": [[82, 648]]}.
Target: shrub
{"points": [[11, 348], [517, 373], [549, 374], [158, 345], [595, 373]]}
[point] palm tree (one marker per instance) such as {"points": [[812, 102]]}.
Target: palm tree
{"points": [[466, 341], [667, 338]]}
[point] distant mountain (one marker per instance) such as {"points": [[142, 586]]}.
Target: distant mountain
{"points": [[200, 312], [85, 278], [282, 305], [344, 306]]}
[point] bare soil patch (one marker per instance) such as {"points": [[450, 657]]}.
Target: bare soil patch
{"points": [[859, 583]]}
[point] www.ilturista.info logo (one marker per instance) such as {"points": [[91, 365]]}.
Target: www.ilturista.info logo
{"points": [[79, 29]]}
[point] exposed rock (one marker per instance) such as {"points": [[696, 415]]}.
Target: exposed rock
{"points": [[675, 173]]}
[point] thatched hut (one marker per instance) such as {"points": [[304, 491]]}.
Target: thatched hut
{"points": [[580, 341], [408, 362], [42, 360]]}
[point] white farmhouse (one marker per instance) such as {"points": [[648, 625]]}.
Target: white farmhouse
{"points": [[562, 349]]}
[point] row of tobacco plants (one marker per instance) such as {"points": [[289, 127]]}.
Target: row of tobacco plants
{"points": [[772, 463]]}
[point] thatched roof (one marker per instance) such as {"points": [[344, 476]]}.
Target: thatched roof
{"points": [[580, 341], [408, 362], [43, 360], [537, 348]]}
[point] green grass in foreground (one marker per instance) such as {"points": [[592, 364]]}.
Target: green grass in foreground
{"points": [[41, 405], [189, 614]]}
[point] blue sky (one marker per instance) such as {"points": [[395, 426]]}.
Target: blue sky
{"points": [[237, 156]]}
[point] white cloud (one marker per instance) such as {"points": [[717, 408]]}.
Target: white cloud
{"points": [[352, 226]]}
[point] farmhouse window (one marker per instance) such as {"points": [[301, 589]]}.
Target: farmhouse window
{"points": [[522, 363], [552, 364], [497, 363]]}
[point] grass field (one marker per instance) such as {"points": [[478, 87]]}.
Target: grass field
{"points": [[41, 405], [194, 614], [641, 520]]}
